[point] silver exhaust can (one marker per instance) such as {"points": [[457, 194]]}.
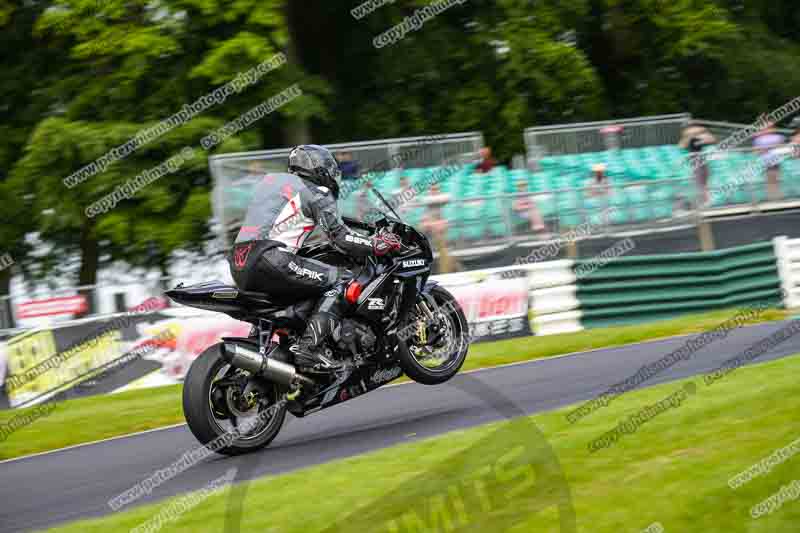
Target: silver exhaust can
{"points": [[257, 364]]}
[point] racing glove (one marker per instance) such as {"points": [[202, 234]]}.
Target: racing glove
{"points": [[386, 242]]}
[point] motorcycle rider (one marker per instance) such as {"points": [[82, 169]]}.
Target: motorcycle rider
{"points": [[284, 211]]}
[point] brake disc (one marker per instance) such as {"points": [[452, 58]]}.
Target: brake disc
{"points": [[244, 403]]}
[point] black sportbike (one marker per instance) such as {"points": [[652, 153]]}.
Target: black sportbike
{"points": [[237, 392]]}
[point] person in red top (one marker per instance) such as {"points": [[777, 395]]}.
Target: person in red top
{"points": [[487, 161]]}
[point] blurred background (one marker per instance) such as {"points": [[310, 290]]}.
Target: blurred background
{"points": [[496, 127]]}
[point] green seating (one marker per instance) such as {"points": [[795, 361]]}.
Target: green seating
{"points": [[647, 184]]}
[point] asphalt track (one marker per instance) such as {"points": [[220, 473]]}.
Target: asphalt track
{"points": [[62, 486]]}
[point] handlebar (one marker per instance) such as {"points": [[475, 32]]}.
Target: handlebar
{"points": [[359, 224], [389, 225]]}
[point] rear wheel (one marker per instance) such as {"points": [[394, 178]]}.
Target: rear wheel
{"points": [[229, 410], [435, 340]]}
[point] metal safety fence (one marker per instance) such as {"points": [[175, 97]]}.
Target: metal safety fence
{"points": [[597, 136], [236, 174]]}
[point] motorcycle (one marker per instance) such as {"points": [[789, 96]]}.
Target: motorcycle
{"points": [[237, 392]]}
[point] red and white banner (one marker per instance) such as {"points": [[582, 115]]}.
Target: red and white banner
{"points": [[494, 308], [190, 337], [68, 305]]}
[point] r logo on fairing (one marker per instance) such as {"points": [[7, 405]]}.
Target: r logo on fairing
{"points": [[414, 263], [376, 303]]}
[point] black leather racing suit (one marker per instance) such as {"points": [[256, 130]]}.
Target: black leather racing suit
{"points": [[285, 209]]}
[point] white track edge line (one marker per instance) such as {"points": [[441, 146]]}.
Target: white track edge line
{"points": [[100, 441], [473, 371]]}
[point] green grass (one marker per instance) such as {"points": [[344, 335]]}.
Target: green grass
{"points": [[96, 417], [89, 419], [521, 349], [674, 470]]}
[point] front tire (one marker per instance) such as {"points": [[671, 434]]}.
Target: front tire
{"points": [[217, 422], [412, 352]]}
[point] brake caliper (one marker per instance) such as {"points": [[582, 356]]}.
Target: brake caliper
{"points": [[422, 332]]}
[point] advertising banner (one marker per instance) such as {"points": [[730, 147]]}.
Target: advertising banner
{"points": [[495, 308], [99, 356], [68, 305]]}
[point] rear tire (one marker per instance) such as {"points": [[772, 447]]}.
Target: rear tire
{"points": [[198, 410], [457, 353]]}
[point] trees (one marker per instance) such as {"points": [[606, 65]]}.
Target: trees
{"points": [[25, 68], [483, 65], [82, 77], [127, 66]]}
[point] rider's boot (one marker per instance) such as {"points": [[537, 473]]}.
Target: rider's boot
{"points": [[309, 351]]}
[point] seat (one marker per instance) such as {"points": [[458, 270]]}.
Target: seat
{"points": [[217, 296]]}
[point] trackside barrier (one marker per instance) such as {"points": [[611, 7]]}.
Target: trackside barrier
{"points": [[553, 304], [87, 355], [542, 298], [787, 252], [644, 288]]}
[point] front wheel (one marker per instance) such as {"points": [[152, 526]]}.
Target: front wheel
{"points": [[434, 343], [227, 409]]}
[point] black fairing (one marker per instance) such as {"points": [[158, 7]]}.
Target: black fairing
{"points": [[244, 305], [405, 275]]}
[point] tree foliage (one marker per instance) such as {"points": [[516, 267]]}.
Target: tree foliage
{"points": [[84, 76]]}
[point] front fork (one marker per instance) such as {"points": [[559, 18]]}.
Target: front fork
{"points": [[429, 321]]}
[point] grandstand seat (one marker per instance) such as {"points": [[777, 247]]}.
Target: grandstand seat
{"points": [[392, 179], [472, 223], [631, 173], [452, 214], [413, 216], [790, 178], [638, 200], [546, 205], [568, 203]]}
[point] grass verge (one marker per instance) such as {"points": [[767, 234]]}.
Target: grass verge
{"points": [[88, 419], [673, 470]]}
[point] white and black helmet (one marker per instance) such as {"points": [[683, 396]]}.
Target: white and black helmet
{"points": [[317, 165]]}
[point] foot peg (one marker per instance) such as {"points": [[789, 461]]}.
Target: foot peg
{"points": [[292, 396], [314, 361]]}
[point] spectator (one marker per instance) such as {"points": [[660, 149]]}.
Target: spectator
{"points": [[402, 196], [611, 137], [765, 143], [255, 171], [795, 140], [434, 202], [694, 138], [526, 213], [435, 225], [597, 184], [361, 207], [487, 161], [349, 167]]}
